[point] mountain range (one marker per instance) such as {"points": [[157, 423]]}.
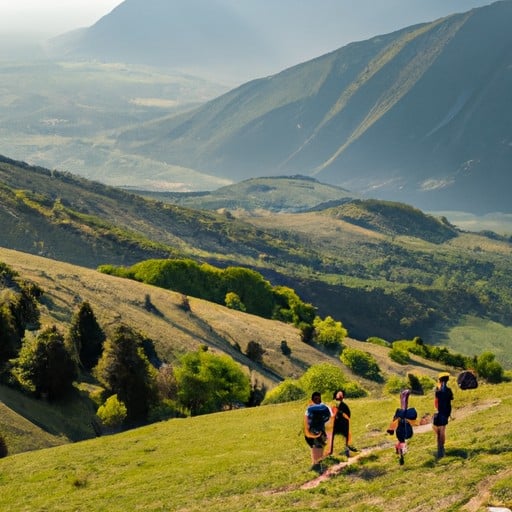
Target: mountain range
{"points": [[420, 115], [239, 40]]}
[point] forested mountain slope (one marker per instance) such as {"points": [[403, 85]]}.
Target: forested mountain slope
{"points": [[381, 268]]}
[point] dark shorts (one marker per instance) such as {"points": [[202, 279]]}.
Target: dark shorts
{"points": [[317, 442], [440, 420]]}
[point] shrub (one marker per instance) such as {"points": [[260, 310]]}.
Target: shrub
{"points": [[323, 377], [361, 363], [287, 391], [285, 349], [112, 413], [329, 332], [209, 383], [233, 301], [489, 369], [255, 351], [399, 355], [394, 384], [378, 341]]}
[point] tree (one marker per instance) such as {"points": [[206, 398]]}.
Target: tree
{"points": [[45, 366], [124, 370], [209, 383], [329, 332], [86, 337], [10, 341], [3, 448]]}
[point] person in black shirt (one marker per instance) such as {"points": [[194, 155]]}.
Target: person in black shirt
{"points": [[443, 404], [342, 422]]}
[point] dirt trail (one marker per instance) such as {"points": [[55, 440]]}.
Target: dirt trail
{"points": [[335, 470]]}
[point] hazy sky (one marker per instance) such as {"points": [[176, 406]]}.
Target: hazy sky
{"points": [[51, 17]]}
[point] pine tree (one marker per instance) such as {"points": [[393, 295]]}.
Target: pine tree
{"points": [[86, 337]]}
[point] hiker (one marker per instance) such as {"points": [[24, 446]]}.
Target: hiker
{"points": [[315, 419], [341, 427], [443, 404], [404, 419]]}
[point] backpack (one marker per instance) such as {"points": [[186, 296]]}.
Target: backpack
{"points": [[318, 415], [467, 380]]}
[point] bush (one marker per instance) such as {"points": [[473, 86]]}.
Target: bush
{"points": [[329, 333], [361, 363], [399, 355], [288, 391], [395, 384], [285, 349], [489, 369], [323, 377], [255, 351], [112, 413], [378, 341], [233, 301]]}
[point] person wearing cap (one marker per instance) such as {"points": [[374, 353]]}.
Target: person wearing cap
{"points": [[342, 422], [443, 404]]}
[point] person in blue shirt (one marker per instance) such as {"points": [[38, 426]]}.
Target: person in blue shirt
{"points": [[316, 418]]}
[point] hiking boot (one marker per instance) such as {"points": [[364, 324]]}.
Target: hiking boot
{"points": [[347, 452], [440, 453], [317, 468], [352, 448]]}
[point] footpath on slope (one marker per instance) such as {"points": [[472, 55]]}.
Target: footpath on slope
{"points": [[336, 469]]}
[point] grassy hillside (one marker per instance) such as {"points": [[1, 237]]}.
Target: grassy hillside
{"points": [[256, 459], [30, 424], [173, 330], [382, 268], [279, 194]]}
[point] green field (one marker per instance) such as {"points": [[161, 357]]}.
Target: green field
{"points": [[256, 459], [472, 336]]}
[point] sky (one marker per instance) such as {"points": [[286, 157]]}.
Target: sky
{"points": [[51, 17]]}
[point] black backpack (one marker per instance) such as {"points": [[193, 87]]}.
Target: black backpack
{"points": [[467, 380]]}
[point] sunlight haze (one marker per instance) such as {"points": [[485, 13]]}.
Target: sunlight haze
{"points": [[51, 17]]}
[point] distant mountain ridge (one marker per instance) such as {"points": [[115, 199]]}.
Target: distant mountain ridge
{"points": [[239, 39], [419, 116]]}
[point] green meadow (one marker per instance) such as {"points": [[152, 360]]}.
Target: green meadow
{"points": [[256, 460]]}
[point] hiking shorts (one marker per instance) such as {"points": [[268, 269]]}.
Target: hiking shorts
{"points": [[440, 420], [317, 442]]}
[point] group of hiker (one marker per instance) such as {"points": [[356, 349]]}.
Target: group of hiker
{"points": [[323, 422]]}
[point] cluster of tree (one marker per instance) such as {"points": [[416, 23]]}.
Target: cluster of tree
{"points": [[485, 364], [136, 385], [236, 287]]}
